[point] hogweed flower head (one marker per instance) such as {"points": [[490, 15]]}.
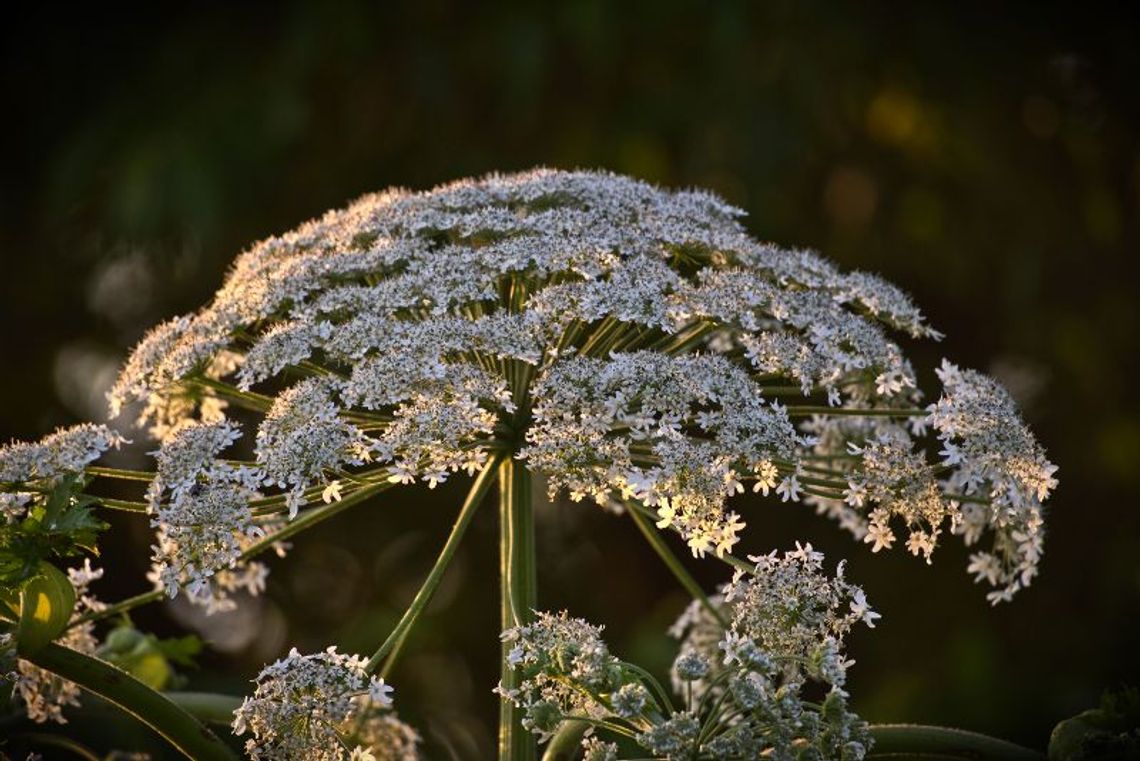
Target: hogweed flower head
{"points": [[785, 619], [317, 706], [789, 608], [743, 686], [626, 341], [566, 665]]}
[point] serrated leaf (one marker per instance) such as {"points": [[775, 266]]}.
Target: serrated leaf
{"points": [[46, 602], [81, 526], [58, 500]]}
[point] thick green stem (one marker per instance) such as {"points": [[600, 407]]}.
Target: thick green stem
{"points": [[674, 564], [923, 741], [566, 743], [518, 585], [154, 709], [474, 497]]}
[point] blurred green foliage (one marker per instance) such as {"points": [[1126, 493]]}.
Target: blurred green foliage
{"points": [[986, 157]]}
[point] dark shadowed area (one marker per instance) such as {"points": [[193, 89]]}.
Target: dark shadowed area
{"points": [[984, 157]]}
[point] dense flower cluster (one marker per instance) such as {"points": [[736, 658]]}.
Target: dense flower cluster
{"points": [[200, 507], [566, 666], [321, 707], [672, 430], [786, 608], [627, 342], [1000, 470], [29, 468], [44, 694], [742, 684], [67, 451], [377, 734], [789, 607]]}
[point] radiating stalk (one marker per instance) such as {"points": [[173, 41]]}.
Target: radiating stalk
{"points": [[305, 520], [517, 588], [475, 496], [673, 563]]}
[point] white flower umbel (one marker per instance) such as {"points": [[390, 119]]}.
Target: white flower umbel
{"points": [[785, 616], [303, 436], [307, 706], [565, 667], [755, 709], [66, 452], [1000, 470], [626, 341], [29, 470], [200, 508], [379, 732], [790, 609]]}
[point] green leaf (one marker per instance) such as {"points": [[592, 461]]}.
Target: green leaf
{"points": [[180, 650], [46, 602], [81, 526], [58, 500], [60, 523], [148, 658]]}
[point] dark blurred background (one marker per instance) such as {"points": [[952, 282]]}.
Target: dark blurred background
{"points": [[983, 156]]}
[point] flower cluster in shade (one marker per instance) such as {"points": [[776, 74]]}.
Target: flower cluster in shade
{"points": [[323, 707], [628, 342], [43, 694], [785, 606], [778, 630]]}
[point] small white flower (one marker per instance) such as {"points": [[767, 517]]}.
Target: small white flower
{"points": [[862, 610], [402, 473], [879, 536], [789, 489], [331, 493]]}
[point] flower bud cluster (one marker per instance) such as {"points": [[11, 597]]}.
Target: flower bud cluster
{"points": [[321, 707], [743, 686], [564, 668]]}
